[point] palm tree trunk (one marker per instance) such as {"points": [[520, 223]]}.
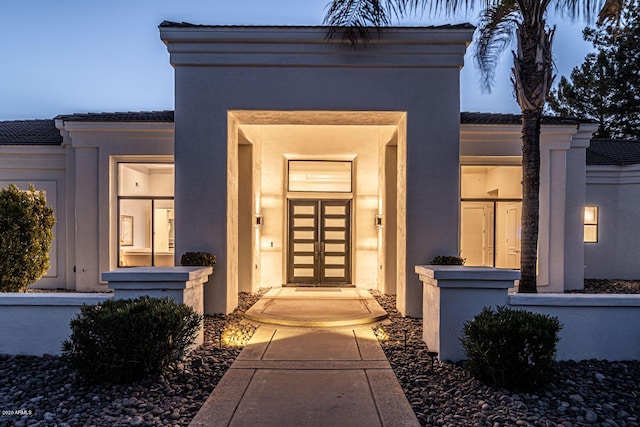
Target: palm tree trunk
{"points": [[530, 200], [532, 78]]}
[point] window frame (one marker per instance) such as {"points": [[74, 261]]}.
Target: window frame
{"points": [[592, 224]]}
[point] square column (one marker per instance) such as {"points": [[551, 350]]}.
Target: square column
{"points": [[453, 295]]}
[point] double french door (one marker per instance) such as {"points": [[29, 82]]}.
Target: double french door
{"points": [[319, 250]]}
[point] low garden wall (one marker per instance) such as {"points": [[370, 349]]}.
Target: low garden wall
{"points": [[36, 324], [605, 326]]}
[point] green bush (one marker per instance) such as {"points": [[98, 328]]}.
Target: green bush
{"points": [[125, 340], [447, 260], [25, 237], [198, 259], [513, 349]]}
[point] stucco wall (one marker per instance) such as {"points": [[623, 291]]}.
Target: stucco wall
{"points": [[45, 168], [402, 73], [93, 150], [615, 190]]}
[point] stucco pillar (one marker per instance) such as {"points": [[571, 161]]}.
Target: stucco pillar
{"points": [[562, 199], [202, 178], [184, 285], [87, 237], [574, 219], [453, 295]]}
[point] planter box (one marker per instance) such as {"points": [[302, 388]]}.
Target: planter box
{"points": [[35, 324], [452, 295], [182, 284]]}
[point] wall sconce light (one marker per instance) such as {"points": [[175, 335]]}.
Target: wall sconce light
{"points": [[259, 221], [378, 221]]}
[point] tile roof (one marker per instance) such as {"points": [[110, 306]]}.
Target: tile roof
{"points": [[29, 132], [128, 116], [613, 152], [476, 118], [44, 132]]}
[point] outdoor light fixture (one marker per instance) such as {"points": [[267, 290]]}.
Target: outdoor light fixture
{"points": [[259, 221], [378, 221]]}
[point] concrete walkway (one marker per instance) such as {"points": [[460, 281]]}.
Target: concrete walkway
{"points": [[309, 376]]}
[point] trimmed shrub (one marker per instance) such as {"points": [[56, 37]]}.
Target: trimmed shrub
{"points": [[25, 237], [203, 259], [514, 349], [447, 260], [124, 340]]}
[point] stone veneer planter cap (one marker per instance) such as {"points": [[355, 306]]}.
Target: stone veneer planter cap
{"points": [[156, 274], [457, 272]]}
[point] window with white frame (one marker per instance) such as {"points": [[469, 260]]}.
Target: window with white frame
{"points": [[591, 224], [146, 233]]}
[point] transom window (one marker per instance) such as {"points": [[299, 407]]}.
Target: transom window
{"points": [[320, 176], [146, 214]]}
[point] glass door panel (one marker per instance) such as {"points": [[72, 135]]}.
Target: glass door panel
{"points": [[319, 242], [135, 233]]}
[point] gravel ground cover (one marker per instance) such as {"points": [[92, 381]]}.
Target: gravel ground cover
{"points": [[598, 286], [588, 393], [43, 391]]}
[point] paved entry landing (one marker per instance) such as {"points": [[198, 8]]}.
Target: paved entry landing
{"points": [[316, 307], [308, 377]]}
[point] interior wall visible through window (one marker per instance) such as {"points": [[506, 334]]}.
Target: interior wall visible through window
{"points": [[146, 232], [591, 224], [320, 176], [490, 215]]}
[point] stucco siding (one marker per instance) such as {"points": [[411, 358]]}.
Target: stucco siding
{"points": [[45, 168], [615, 190]]}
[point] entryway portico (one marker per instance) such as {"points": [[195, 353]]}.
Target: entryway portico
{"points": [[249, 100]]}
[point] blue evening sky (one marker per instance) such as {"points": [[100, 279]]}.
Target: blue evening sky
{"points": [[77, 56]]}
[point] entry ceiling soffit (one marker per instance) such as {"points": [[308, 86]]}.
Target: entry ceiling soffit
{"points": [[319, 118], [256, 125]]}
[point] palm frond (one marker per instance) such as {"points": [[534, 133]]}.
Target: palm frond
{"points": [[496, 30], [610, 11], [354, 19]]}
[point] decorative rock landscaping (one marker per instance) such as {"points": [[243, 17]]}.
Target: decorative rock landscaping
{"points": [[601, 286], [443, 394], [45, 392]]}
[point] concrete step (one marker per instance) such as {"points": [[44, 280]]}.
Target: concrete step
{"points": [[317, 307]]}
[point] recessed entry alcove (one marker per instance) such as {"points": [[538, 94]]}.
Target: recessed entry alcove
{"points": [[315, 198]]}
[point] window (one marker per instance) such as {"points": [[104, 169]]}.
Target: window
{"points": [[591, 224], [490, 215], [319, 176], [146, 214]]}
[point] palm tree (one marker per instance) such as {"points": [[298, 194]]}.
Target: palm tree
{"points": [[532, 70]]}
